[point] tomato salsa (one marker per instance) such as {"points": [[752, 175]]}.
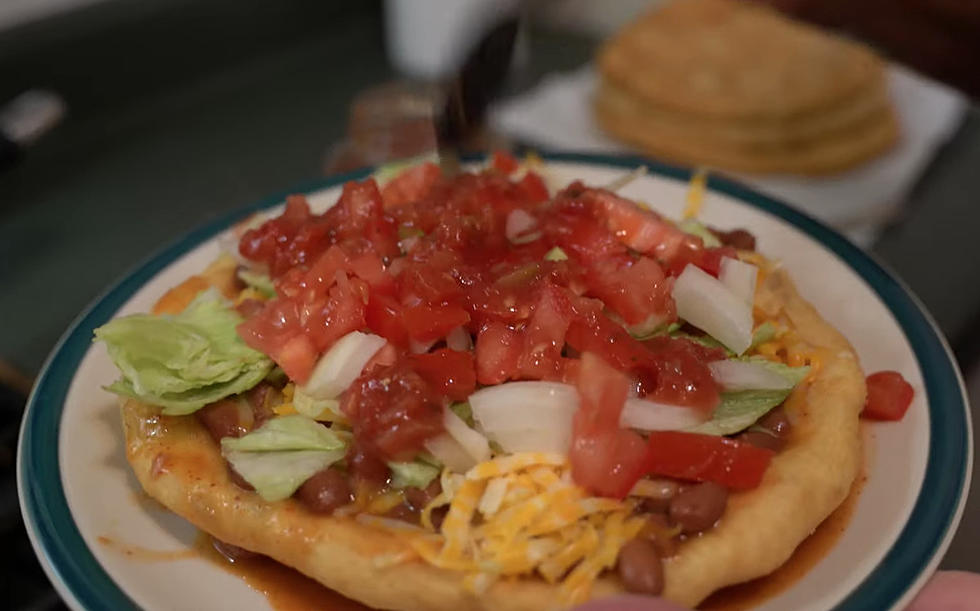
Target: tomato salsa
{"points": [[427, 256]]}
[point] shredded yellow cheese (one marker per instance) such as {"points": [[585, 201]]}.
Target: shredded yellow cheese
{"points": [[520, 515], [695, 193]]}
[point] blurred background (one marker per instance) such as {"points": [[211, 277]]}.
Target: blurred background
{"points": [[125, 124]]}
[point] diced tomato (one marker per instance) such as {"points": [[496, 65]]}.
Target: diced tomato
{"points": [[449, 372], [578, 234], [708, 259], [385, 357], [640, 229], [393, 411], [678, 373], [297, 357], [383, 316], [533, 188], [544, 336], [341, 312], [369, 267], [592, 331], [412, 185], [361, 201], [605, 458], [504, 162], [428, 323], [430, 279], [498, 348], [275, 327], [707, 458], [889, 396], [639, 292]]}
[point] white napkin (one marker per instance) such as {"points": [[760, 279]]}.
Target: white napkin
{"points": [[557, 115]]}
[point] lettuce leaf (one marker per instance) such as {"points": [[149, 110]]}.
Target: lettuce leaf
{"points": [[763, 333], [556, 254], [741, 409], [293, 432], [417, 474], [279, 456], [183, 362], [318, 409], [258, 281], [277, 475], [463, 410], [696, 228]]}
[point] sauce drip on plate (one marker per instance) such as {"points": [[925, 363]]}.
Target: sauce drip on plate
{"points": [[286, 589]]}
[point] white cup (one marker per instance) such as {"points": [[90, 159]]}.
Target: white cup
{"points": [[429, 39]]}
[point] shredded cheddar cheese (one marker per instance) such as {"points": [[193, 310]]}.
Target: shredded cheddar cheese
{"points": [[695, 193], [518, 515]]}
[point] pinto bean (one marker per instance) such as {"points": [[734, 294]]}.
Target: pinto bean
{"points": [[776, 422], [640, 568], [738, 239], [763, 440], [226, 418], [418, 498], [771, 432], [698, 508], [260, 398], [325, 491]]}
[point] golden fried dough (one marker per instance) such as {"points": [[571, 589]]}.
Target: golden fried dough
{"points": [[178, 463], [740, 87]]}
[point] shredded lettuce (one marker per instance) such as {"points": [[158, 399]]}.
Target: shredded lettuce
{"points": [[277, 475], [183, 362], [464, 412], [416, 474], [741, 409], [765, 332], [696, 228], [279, 456], [318, 409], [258, 281], [293, 432], [704, 340], [643, 332], [555, 254]]}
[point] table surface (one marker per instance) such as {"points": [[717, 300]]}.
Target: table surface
{"points": [[181, 111]]}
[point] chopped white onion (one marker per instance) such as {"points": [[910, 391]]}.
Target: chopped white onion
{"points": [[519, 224], [527, 416], [475, 444], [516, 406], [450, 453], [647, 415], [459, 340], [341, 364], [746, 375], [703, 301], [740, 278]]}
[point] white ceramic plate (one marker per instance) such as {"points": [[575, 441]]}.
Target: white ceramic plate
{"points": [[76, 486]]}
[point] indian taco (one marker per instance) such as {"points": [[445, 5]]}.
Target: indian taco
{"points": [[472, 393]]}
